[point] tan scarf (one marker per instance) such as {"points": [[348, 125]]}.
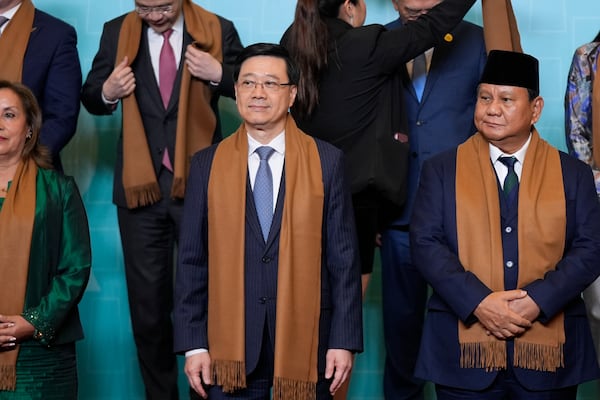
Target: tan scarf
{"points": [[299, 276], [541, 227], [196, 121], [596, 112], [14, 41], [500, 29], [16, 227]]}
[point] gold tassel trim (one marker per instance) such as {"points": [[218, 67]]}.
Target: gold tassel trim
{"points": [[539, 357], [143, 195], [8, 377], [229, 374], [287, 389], [488, 355]]}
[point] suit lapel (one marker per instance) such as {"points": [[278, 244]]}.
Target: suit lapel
{"points": [[146, 79], [251, 215], [276, 224], [435, 70]]}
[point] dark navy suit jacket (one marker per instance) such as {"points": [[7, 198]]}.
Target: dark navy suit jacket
{"points": [[444, 117], [341, 310], [457, 292], [52, 71]]}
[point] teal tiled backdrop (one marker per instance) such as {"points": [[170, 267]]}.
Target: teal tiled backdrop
{"points": [[107, 361]]}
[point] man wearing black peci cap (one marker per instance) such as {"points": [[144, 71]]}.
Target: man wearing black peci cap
{"points": [[505, 231]]}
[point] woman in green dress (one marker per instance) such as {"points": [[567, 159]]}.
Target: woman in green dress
{"points": [[44, 259]]}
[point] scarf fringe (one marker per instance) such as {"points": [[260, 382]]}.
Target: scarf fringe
{"points": [[539, 357], [8, 377], [229, 374], [288, 389], [488, 355], [143, 195]]}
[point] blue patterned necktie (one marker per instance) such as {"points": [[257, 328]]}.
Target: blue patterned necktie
{"points": [[263, 190], [419, 74], [511, 182]]}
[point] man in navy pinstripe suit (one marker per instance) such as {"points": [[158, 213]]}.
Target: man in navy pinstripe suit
{"points": [[309, 253]]}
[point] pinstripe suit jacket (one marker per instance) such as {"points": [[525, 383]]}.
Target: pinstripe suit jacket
{"points": [[341, 309]]}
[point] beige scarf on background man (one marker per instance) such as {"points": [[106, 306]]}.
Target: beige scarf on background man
{"points": [[14, 41], [196, 120]]}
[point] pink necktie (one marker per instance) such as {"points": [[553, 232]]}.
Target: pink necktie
{"points": [[167, 69]]}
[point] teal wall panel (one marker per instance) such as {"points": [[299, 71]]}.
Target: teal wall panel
{"points": [[107, 360]]}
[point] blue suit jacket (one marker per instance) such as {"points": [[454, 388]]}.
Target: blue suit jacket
{"points": [[51, 70], [444, 117], [457, 292], [341, 306]]}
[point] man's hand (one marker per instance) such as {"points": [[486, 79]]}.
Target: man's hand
{"points": [[338, 365], [203, 65], [495, 314], [525, 307], [120, 83], [197, 370], [14, 329]]}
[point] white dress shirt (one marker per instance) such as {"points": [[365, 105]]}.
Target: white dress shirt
{"points": [[501, 169]]}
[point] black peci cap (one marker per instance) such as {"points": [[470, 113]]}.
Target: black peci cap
{"points": [[509, 68]]}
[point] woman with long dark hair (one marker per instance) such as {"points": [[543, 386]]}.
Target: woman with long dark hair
{"points": [[348, 96]]}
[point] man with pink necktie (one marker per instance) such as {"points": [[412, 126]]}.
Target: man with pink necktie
{"points": [[167, 63]]}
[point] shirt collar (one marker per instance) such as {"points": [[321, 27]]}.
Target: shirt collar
{"points": [[496, 153], [11, 13], [278, 143]]}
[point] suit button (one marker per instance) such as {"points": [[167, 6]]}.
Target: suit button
{"points": [[509, 264], [419, 123], [262, 300], [508, 229], [266, 260]]}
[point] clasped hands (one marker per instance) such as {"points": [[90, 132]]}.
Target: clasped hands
{"points": [[121, 81], [14, 329], [507, 314]]}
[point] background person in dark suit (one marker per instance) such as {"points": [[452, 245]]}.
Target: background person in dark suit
{"points": [[276, 303], [347, 97], [505, 230], [169, 90], [439, 118], [43, 56]]}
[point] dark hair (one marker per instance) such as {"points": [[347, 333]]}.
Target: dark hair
{"points": [[270, 50], [33, 117], [308, 44], [597, 38]]}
